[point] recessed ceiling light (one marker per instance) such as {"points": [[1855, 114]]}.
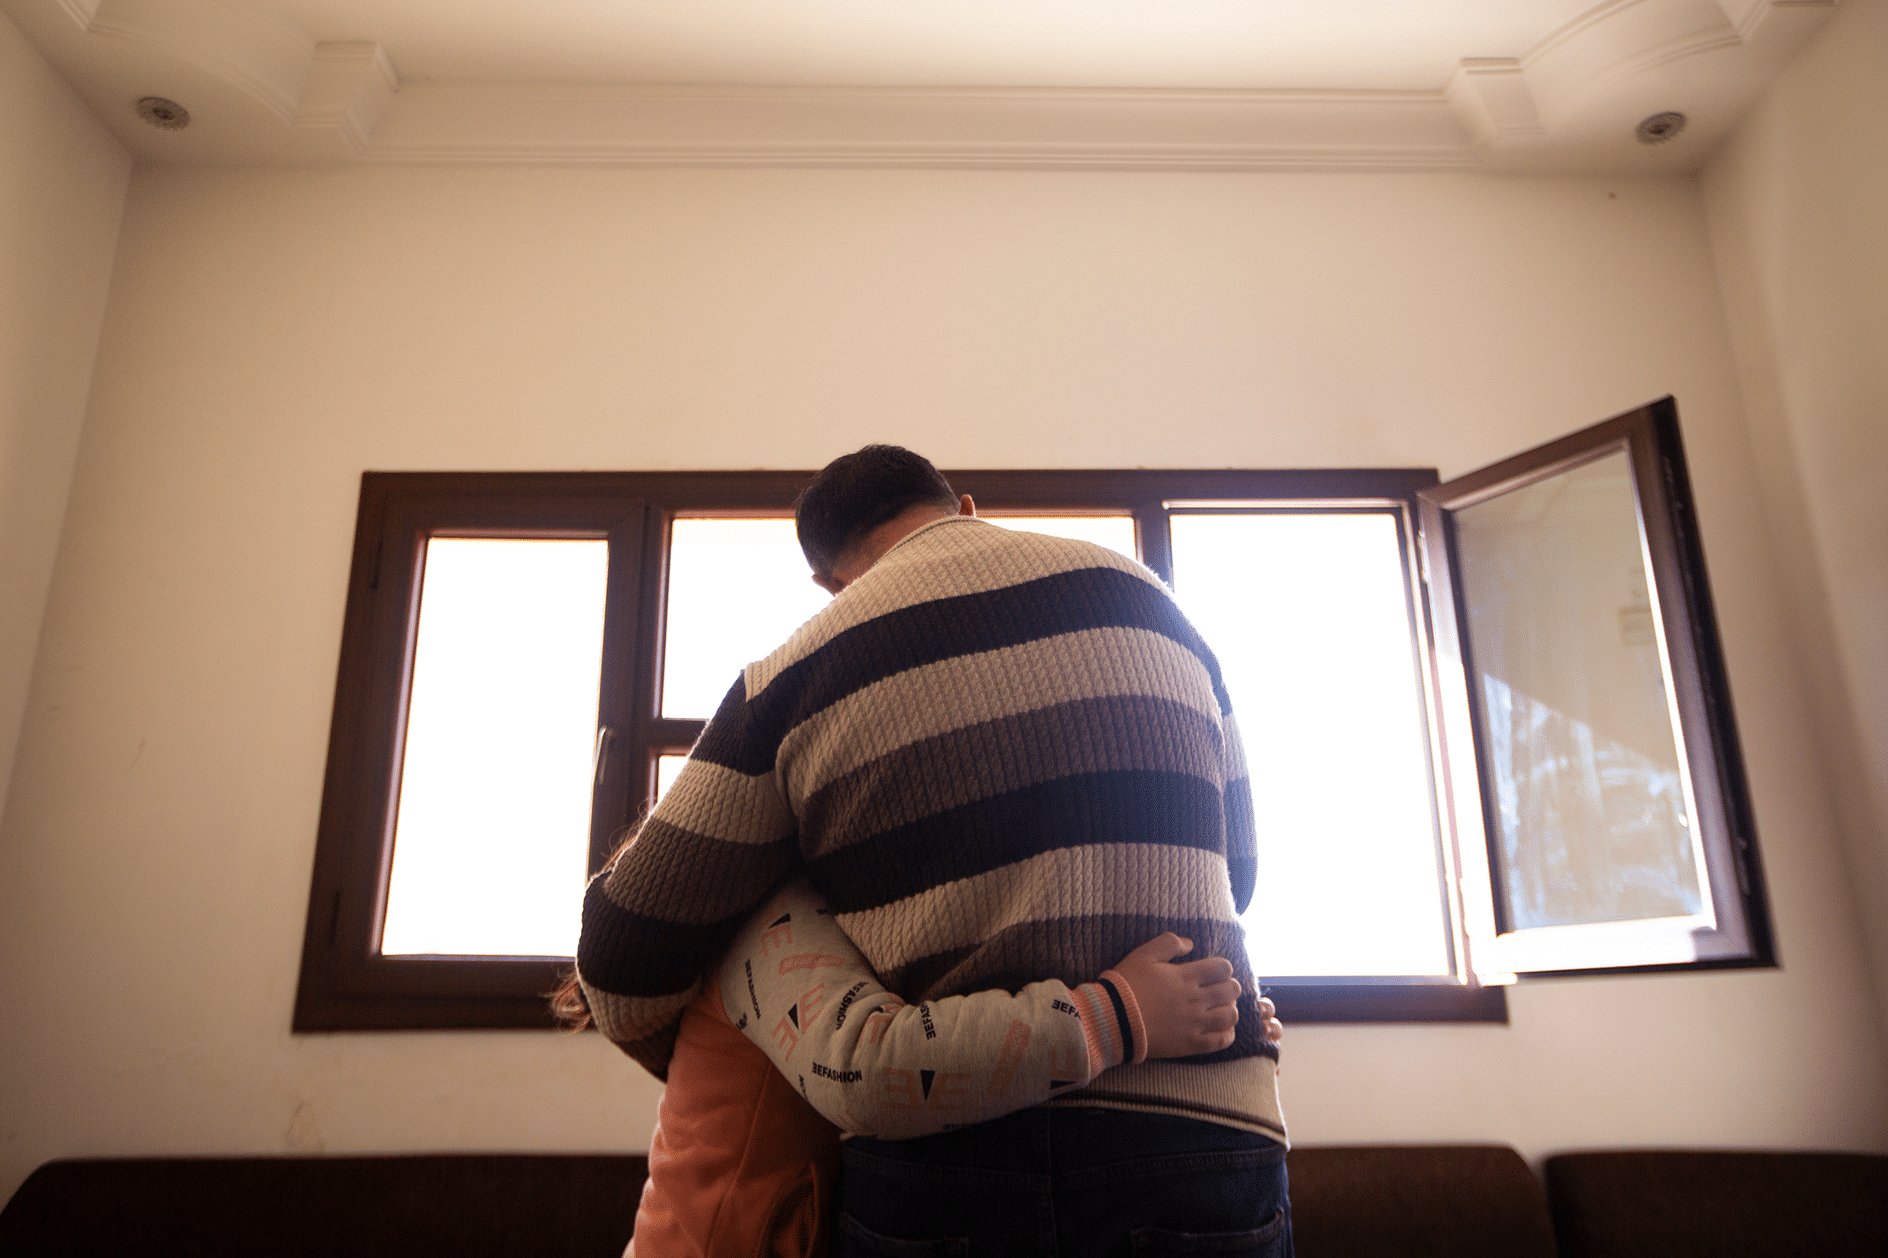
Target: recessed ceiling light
{"points": [[1660, 128], [165, 115]]}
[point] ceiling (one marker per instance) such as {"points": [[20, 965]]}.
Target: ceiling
{"points": [[1397, 44], [1506, 85]]}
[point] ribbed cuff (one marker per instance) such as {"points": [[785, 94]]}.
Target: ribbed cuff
{"points": [[1133, 1028], [1101, 1027]]}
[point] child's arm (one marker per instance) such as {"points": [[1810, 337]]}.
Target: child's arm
{"points": [[797, 987]]}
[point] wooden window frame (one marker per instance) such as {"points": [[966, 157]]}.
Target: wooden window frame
{"points": [[346, 985]]}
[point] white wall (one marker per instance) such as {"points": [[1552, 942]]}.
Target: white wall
{"points": [[1797, 201], [62, 190], [271, 334]]}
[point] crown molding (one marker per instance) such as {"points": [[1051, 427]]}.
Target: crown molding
{"points": [[995, 128], [263, 55], [263, 93], [1572, 99], [348, 88], [1492, 101], [1624, 38]]}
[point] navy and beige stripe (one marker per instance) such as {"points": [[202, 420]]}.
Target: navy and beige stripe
{"points": [[1000, 757]]}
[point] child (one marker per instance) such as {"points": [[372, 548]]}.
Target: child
{"points": [[795, 1040]]}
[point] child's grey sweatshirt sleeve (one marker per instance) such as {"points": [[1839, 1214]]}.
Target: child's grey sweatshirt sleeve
{"points": [[795, 985]]}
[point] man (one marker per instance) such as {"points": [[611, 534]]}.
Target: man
{"points": [[1000, 757]]}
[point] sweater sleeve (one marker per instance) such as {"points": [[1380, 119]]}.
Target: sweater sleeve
{"points": [[1242, 855], [795, 985], [657, 917]]}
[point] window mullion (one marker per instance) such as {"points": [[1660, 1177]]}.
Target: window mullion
{"points": [[1151, 524], [617, 786], [653, 735]]}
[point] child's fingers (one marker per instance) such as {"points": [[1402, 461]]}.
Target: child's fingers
{"points": [[1273, 1029], [1218, 1018], [1206, 971], [1213, 1029], [1215, 994], [1210, 1039], [1160, 949]]}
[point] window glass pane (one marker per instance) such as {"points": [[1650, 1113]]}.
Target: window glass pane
{"points": [[1588, 788], [738, 588], [666, 769], [1116, 532], [493, 826], [1310, 618]]}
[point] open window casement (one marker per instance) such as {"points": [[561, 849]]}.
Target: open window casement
{"points": [[1588, 753]]}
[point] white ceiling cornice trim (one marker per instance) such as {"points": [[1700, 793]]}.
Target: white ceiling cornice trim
{"points": [[265, 94], [995, 127], [258, 52], [348, 89]]}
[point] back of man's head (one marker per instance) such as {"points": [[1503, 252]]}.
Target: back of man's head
{"points": [[857, 492]]}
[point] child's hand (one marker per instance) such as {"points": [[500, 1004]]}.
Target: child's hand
{"points": [[1187, 1008], [1268, 1020]]}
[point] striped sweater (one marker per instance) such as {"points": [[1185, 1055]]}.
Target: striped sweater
{"points": [[1000, 757]]}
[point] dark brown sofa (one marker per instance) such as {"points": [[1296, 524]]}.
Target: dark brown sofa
{"points": [[466, 1205], [1416, 1201], [1458, 1201], [1679, 1202]]}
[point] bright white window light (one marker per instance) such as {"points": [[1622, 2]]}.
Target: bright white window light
{"points": [[1309, 616], [493, 827], [666, 769], [1116, 532], [737, 589]]}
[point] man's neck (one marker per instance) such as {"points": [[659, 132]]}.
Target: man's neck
{"points": [[871, 548], [868, 550]]}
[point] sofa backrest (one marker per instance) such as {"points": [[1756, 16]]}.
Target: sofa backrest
{"points": [[464, 1205], [1655, 1203], [1416, 1201], [1462, 1201]]}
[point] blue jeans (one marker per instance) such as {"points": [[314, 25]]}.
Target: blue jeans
{"points": [[1063, 1181]]}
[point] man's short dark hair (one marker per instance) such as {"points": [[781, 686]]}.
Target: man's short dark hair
{"points": [[857, 492]]}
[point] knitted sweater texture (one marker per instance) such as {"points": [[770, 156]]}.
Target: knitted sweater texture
{"points": [[1001, 757]]}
